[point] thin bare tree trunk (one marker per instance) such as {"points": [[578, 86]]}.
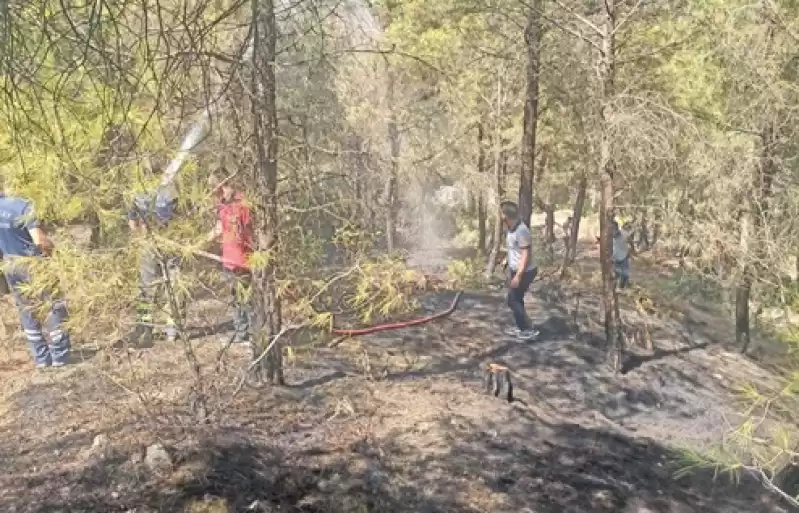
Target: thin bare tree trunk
{"points": [[644, 243], [546, 205], [360, 186], [391, 183], [754, 216], [744, 288], [577, 214], [481, 209], [532, 38], [266, 301], [549, 225], [742, 294], [752, 220], [615, 349], [500, 166]]}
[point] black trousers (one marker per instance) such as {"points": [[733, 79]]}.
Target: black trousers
{"points": [[516, 297]]}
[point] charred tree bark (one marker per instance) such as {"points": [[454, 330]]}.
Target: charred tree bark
{"points": [[606, 68], [481, 207], [390, 193], [532, 38], [266, 301]]}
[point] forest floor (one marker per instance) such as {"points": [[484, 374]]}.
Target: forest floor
{"points": [[396, 421]]}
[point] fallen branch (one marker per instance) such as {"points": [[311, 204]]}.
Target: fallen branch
{"points": [[767, 482]]}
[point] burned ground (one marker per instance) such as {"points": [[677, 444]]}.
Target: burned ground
{"points": [[392, 422]]}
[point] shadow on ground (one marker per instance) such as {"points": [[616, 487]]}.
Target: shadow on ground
{"points": [[568, 469]]}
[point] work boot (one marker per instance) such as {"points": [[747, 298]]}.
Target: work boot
{"points": [[527, 335], [60, 363]]}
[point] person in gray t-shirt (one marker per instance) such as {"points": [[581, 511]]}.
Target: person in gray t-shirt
{"points": [[520, 268]]}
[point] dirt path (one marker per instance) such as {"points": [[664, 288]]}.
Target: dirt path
{"points": [[392, 422]]}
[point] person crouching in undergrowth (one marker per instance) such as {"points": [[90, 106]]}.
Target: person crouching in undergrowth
{"points": [[233, 229], [521, 269], [21, 238], [621, 256]]}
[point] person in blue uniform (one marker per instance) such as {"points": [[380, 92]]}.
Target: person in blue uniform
{"points": [[22, 238], [158, 270]]}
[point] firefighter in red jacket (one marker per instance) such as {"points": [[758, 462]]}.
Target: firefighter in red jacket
{"points": [[233, 229]]}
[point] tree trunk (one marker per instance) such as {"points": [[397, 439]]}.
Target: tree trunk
{"points": [[742, 294], [615, 349], [643, 233], [751, 221], [754, 217], [500, 167], [532, 38], [481, 208], [391, 183], [545, 204], [360, 187], [549, 225], [744, 288], [574, 234], [266, 301]]}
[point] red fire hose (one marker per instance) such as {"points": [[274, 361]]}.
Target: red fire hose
{"points": [[397, 325]]}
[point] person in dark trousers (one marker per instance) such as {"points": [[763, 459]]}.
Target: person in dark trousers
{"points": [[621, 256], [233, 229], [521, 270], [158, 270], [22, 238]]}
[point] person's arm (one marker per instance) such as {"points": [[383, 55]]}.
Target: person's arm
{"points": [[133, 218], [42, 240], [523, 262], [38, 236]]}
